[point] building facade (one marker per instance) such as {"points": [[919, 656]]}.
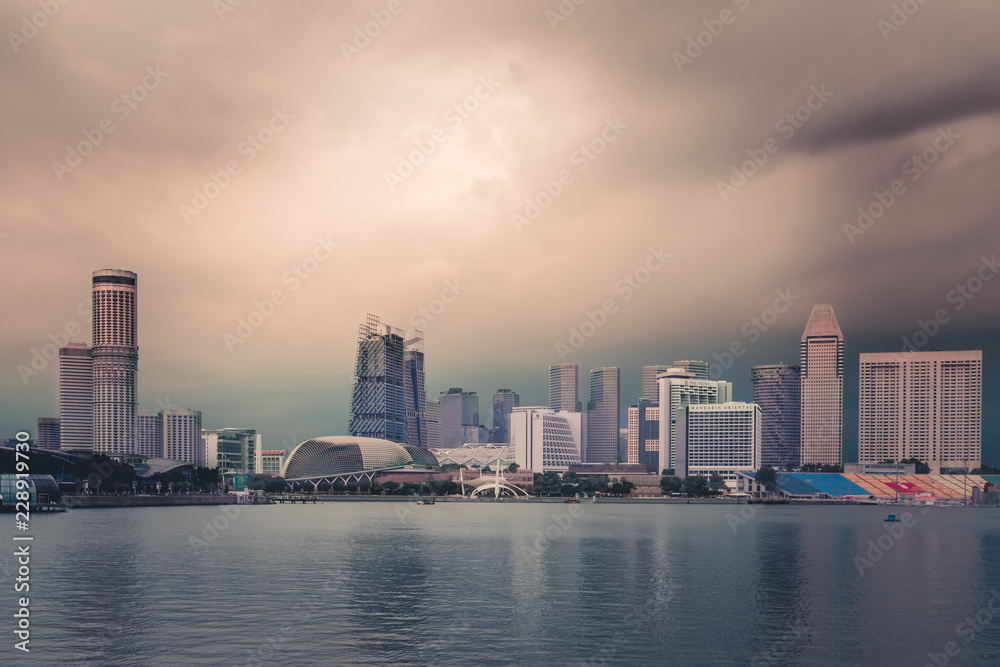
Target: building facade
{"points": [[602, 415], [544, 439], [924, 405], [700, 369], [822, 395], [721, 439], [564, 388], [182, 436], [777, 389], [651, 390], [271, 461], [679, 388], [644, 435], [232, 450], [504, 402], [149, 434], [48, 433], [115, 355], [378, 399], [413, 390], [76, 397]]}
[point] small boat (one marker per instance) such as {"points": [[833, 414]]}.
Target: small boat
{"points": [[892, 517], [425, 502], [572, 500]]}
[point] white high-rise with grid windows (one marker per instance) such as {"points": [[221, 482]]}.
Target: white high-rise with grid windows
{"points": [[182, 439], [544, 439], [721, 439], [76, 397], [822, 398], [115, 357], [924, 405], [677, 389]]}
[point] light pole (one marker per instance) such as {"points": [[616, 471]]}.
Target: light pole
{"points": [[965, 479]]}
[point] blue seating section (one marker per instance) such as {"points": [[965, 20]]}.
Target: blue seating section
{"points": [[807, 484]]}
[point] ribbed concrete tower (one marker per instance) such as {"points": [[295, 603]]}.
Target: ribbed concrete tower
{"points": [[115, 357], [822, 370]]}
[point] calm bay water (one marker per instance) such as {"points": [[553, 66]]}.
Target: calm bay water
{"points": [[463, 584]]}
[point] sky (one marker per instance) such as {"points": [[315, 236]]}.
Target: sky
{"points": [[651, 175]]}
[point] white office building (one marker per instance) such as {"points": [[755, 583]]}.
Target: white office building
{"points": [[232, 450], [76, 397], [679, 388], [544, 439], [182, 436], [924, 405], [721, 439]]}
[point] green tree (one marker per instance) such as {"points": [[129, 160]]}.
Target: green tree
{"points": [[513, 467], [696, 486], [668, 472], [921, 467], [390, 486], [768, 477], [352, 487], [324, 486], [670, 484], [716, 484]]}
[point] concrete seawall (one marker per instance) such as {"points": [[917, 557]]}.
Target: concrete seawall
{"points": [[148, 501]]}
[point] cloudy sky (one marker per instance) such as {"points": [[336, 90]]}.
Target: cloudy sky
{"points": [[677, 165]]}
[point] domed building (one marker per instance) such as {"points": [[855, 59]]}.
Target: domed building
{"points": [[347, 457]]}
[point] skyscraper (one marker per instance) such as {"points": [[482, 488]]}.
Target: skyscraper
{"points": [[544, 439], [602, 415], [651, 390], [679, 388], [822, 369], [925, 405], [76, 397], [48, 433], [149, 434], [115, 357], [777, 389], [388, 399], [504, 402], [700, 369], [564, 387], [413, 390], [644, 434], [458, 410], [182, 439]]}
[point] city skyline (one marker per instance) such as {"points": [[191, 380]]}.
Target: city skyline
{"points": [[858, 176]]}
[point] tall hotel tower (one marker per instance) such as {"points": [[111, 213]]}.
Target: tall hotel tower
{"points": [[822, 369], [76, 397], [388, 385], [602, 415], [504, 402], [115, 360], [564, 387], [777, 389], [927, 405]]}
